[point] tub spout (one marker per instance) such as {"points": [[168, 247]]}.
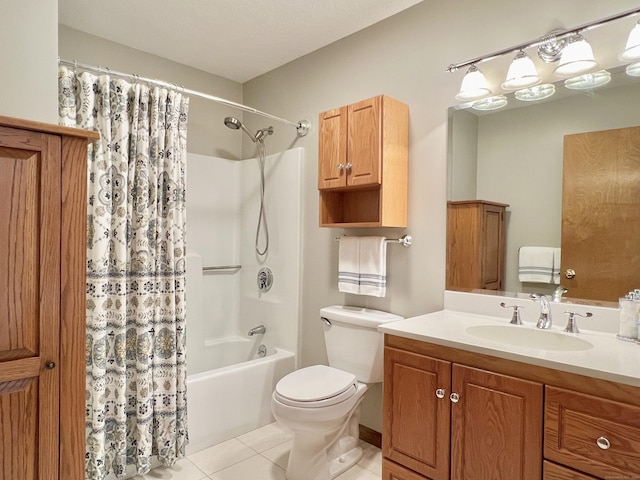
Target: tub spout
{"points": [[259, 330]]}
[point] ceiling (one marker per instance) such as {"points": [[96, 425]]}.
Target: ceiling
{"points": [[235, 39]]}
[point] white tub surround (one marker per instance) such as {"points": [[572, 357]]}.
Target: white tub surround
{"points": [[609, 358]]}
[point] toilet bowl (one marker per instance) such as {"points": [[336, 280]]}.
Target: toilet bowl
{"points": [[320, 404]]}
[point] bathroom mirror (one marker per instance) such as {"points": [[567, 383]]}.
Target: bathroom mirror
{"points": [[515, 156]]}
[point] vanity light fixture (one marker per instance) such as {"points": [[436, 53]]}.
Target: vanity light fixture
{"points": [[631, 51], [588, 80], [474, 85], [522, 73], [633, 70], [535, 93], [577, 57], [490, 103], [574, 53]]}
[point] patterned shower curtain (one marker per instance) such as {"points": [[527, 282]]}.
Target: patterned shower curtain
{"points": [[135, 343]]}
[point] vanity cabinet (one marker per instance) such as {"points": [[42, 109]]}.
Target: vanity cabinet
{"points": [[476, 235], [43, 170], [363, 164], [456, 414], [445, 420]]}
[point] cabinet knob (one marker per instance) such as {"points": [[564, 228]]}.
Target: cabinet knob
{"points": [[50, 365], [340, 166], [440, 393], [603, 443], [348, 166], [454, 397], [570, 273]]}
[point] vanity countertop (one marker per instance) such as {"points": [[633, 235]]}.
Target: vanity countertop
{"points": [[609, 358]]}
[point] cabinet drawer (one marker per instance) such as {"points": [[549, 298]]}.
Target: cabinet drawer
{"points": [[593, 435], [556, 472]]}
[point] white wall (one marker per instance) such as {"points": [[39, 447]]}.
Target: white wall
{"points": [[28, 55]]}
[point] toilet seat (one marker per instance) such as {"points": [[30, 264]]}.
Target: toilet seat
{"points": [[316, 386]]}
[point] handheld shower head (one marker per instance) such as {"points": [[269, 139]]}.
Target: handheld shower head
{"points": [[234, 124]]}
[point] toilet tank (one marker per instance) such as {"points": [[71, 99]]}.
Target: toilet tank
{"points": [[353, 341]]}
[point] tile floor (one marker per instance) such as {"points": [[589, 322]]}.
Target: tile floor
{"points": [[261, 454]]}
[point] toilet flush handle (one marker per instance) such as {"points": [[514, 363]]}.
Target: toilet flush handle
{"points": [[326, 321]]}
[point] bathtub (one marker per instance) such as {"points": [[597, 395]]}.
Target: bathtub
{"points": [[231, 400]]}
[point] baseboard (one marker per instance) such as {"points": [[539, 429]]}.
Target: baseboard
{"points": [[370, 436]]}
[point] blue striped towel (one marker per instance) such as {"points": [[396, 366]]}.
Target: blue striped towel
{"points": [[362, 266]]}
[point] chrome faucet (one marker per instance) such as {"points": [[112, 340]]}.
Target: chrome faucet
{"points": [[259, 330], [515, 318], [558, 292], [544, 321], [572, 325]]}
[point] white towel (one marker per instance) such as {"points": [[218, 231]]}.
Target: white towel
{"points": [[349, 265], [362, 267], [556, 266], [535, 264]]}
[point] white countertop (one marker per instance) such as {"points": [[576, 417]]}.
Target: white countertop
{"points": [[609, 359]]}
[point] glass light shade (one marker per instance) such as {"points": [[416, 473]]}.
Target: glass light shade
{"points": [[474, 86], [522, 73], [537, 92], [588, 80], [490, 103], [577, 58], [632, 49], [633, 70]]}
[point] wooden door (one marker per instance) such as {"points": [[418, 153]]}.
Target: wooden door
{"points": [[416, 420], [332, 149], [364, 152], [30, 199], [496, 427], [601, 213]]}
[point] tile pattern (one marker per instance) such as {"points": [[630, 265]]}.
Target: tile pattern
{"points": [[262, 453]]}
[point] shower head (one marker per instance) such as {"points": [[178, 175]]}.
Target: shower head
{"points": [[234, 124]]}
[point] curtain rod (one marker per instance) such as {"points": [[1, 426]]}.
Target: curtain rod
{"points": [[302, 126], [555, 35]]}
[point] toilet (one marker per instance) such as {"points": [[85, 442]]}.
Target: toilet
{"points": [[321, 404]]}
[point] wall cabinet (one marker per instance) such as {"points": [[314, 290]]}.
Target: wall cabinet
{"points": [[43, 172], [475, 245], [445, 420], [453, 414], [363, 164]]}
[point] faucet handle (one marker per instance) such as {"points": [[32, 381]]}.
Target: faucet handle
{"points": [[515, 318], [572, 325]]}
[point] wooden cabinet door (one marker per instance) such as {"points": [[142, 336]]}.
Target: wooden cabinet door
{"points": [[496, 427], [393, 471], [416, 421], [332, 149], [30, 200], [492, 254], [364, 152]]}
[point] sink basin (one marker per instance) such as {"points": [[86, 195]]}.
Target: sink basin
{"points": [[528, 337]]}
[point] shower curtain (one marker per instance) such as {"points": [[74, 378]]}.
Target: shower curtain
{"points": [[135, 341]]}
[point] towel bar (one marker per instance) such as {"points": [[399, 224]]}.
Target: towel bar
{"points": [[405, 240], [221, 267]]}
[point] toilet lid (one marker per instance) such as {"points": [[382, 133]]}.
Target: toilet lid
{"points": [[316, 384]]}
